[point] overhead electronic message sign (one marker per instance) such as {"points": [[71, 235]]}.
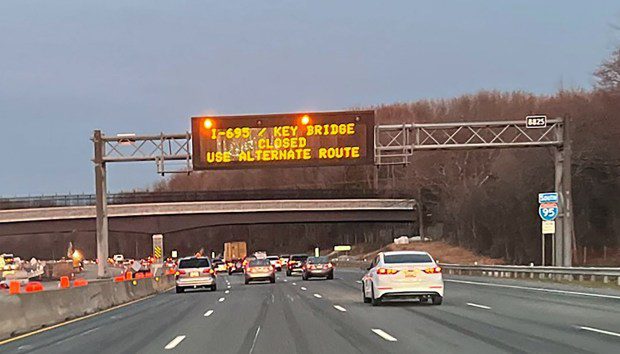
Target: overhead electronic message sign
{"points": [[290, 139]]}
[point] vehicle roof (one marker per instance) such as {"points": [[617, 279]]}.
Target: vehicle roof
{"points": [[404, 252], [300, 254], [273, 257], [192, 257]]}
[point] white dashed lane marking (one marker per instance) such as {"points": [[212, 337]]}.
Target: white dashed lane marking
{"points": [[602, 331], [340, 308], [318, 296], [221, 299], [478, 306], [381, 333], [173, 343], [208, 313], [227, 291], [303, 288]]}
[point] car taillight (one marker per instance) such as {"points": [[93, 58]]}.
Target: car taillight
{"points": [[208, 271], [180, 271], [433, 270], [329, 265], [272, 267], [386, 271]]}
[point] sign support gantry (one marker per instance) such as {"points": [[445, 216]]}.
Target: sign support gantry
{"points": [[396, 143]]}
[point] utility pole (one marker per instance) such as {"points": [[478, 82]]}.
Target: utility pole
{"points": [[567, 198], [563, 248], [420, 207], [101, 205]]}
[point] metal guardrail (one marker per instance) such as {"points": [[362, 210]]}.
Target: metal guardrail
{"points": [[605, 274], [193, 196]]}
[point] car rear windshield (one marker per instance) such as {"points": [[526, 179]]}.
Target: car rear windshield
{"points": [[194, 263], [407, 258], [299, 258], [259, 263], [318, 260]]}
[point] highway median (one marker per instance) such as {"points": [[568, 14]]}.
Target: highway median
{"points": [[26, 312]]}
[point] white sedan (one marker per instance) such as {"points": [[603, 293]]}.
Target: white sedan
{"points": [[403, 275]]}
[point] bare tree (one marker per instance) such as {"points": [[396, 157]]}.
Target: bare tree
{"points": [[608, 73]]}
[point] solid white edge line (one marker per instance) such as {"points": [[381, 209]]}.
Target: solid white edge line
{"points": [[478, 306], [221, 299], [381, 333], [567, 292], [591, 329], [208, 313], [318, 296], [173, 343], [340, 308], [303, 288]]}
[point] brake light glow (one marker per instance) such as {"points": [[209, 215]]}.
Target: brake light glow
{"points": [[386, 271], [208, 271], [180, 271], [329, 265], [434, 270]]}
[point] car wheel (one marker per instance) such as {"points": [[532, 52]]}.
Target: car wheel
{"points": [[437, 300], [373, 300], [304, 276], [247, 281], [366, 299], [180, 290], [272, 280], [214, 287], [288, 273], [330, 275], [230, 272]]}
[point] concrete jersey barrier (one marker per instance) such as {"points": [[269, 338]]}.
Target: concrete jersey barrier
{"points": [[26, 312]]}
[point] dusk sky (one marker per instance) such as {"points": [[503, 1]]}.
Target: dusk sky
{"points": [[69, 67]]}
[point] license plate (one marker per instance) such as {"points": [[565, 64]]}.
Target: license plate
{"points": [[410, 274], [193, 274]]}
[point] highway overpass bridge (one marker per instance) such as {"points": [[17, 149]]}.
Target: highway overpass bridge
{"points": [[47, 224]]}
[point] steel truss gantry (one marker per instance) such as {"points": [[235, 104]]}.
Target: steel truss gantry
{"points": [[394, 144]]}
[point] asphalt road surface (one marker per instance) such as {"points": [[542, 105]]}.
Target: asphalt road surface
{"points": [[327, 316]]}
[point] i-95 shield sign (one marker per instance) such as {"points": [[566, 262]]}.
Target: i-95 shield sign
{"points": [[548, 211]]}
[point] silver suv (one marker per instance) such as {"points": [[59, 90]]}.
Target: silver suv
{"points": [[194, 272]]}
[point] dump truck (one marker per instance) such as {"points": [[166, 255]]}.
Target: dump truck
{"points": [[234, 254]]}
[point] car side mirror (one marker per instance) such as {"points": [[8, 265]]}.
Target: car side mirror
{"points": [[369, 267]]}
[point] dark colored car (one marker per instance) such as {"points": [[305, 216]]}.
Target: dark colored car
{"points": [[295, 263], [317, 267], [234, 266]]}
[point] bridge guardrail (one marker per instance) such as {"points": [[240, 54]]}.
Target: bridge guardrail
{"points": [[72, 200], [604, 274]]}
